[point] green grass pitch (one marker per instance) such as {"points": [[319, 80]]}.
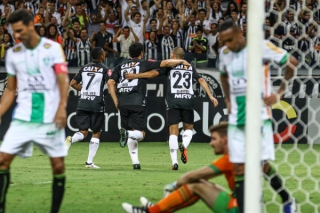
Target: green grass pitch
{"points": [[103, 190]]}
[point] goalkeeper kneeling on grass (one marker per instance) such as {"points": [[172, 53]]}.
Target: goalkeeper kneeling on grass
{"points": [[194, 185]]}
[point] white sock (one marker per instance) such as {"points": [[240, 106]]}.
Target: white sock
{"points": [[133, 150], [135, 135], [93, 147], [173, 145], [78, 136], [186, 137]]}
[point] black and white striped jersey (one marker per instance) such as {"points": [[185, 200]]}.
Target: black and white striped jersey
{"points": [[151, 50], [83, 51], [70, 49], [167, 44], [189, 34], [93, 77]]}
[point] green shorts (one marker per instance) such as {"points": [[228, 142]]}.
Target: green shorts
{"points": [[225, 204]]}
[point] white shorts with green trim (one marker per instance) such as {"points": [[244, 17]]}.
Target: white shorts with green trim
{"points": [[21, 135], [237, 143]]}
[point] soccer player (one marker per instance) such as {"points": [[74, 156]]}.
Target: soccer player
{"points": [[37, 66], [90, 109], [233, 69], [180, 102], [194, 185], [130, 97]]}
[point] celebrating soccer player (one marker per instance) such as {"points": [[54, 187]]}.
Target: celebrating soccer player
{"points": [[37, 65], [179, 101], [130, 97], [90, 110]]}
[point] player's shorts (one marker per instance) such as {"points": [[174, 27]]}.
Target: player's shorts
{"points": [[225, 203], [133, 117], [174, 116], [93, 120], [21, 135], [237, 143]]}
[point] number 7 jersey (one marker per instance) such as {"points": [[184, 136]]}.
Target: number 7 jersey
{"points": [[180, 92], [93, 77]]}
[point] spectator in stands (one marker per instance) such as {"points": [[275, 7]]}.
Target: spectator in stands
{"points": [[69, 47], [217, 49], [5, 4], [53, 34], [6, 43], [212, 39], [315, 52], [231, 6], [166, 40], [39, 17], [83, 47], [291, 24], [289, 43], [221, 20], [76, 28], [151, 46], [279, 5], [126, 37], [153, 25], [94, 24], [111, 21], [199, 48], [216, 12], [42, 31], [235, 17], [189, 26], [170, 10], [5, 15], [81, 16], [177, 32]]}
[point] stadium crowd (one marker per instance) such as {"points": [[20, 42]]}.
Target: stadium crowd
{"points": [[80, 25]]}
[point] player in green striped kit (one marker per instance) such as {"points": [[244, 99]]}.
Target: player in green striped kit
{"points": [[37, 71], [233, 67]]}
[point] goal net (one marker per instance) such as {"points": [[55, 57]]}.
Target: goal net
{"points": [[295, 26]]}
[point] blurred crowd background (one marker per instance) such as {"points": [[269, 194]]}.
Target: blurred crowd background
{"points": [[80, 25]]}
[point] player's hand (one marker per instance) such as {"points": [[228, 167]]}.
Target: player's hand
{"points": [[214, 101], [131, 76], [61, 118], [272, 99]]}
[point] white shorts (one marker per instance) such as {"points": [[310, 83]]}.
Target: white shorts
{"points": [[237, 143], [21, 135]]}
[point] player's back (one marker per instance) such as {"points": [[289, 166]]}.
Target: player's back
{"points": [[179, 91], [93, 77], [38, 92], [132, 92]]}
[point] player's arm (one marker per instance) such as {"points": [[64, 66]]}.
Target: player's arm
{"points": [[173, 62], [75, 85], [226, 91], [8, 95], [194, 176], [204, 85], [149, 74], [292, 63], [61, 71], [112, 91]]}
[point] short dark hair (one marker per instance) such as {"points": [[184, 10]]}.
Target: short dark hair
{"points": [[136, 13], [199, 29], [135, 49], [202, 10], [126, 28], [151, 20], [84, 29], [20, 15], [96, 53], [228, 24], [221, 128]]}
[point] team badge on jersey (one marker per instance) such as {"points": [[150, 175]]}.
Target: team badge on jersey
{"points": [[17, 49], [225, 51], [47, 45]]}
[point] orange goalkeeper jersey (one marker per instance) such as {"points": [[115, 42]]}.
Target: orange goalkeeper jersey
{"points": [[223, 166]]}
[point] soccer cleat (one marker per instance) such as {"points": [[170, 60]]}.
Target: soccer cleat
{"points": [[123, 137], [145, 202], [68, 142], [290, 207], [133, 209], [91, 166], [183, 154], [175, 166], [136, 166]]}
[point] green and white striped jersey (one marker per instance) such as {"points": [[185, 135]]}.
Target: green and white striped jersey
{"points": [[234, 65], [38, 91]]}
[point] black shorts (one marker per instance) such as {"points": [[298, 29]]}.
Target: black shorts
{"points": [[87, 119], [133, 117], [174, 116]]}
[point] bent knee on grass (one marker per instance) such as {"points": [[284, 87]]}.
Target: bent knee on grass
{"points": [[207, 191]]}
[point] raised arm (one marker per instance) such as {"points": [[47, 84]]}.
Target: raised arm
{"points": [[115, 37]]}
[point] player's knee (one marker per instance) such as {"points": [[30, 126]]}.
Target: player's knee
{"points": [[196, 188], [58, 168], [4, 165], [84, 132], [96, 134]]}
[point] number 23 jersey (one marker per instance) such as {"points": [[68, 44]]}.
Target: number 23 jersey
{"points": [[180, 92], [93, 77]]}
